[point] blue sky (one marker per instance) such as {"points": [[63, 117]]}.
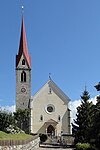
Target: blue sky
{"points": [[63, 39]]}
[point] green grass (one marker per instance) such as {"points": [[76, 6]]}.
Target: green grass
{"points": [[5, 136]]}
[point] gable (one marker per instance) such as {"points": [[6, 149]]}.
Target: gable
{"points": [[20, 65], [58, 91], [49, 87]]}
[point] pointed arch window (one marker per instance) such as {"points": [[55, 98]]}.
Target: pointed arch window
{"points": [[50, 92], [23, 76], [59, 118], [23, 62], [41, 118]]}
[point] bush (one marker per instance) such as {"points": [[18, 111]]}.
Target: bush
{"points": [[13, 130], [83, 146], [6, 119], [43, 137], [94, 147]]}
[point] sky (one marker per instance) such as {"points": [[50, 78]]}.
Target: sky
{"points": [[63, 39]]}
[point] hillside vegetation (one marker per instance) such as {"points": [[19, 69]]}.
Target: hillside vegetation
{"points": [[5, 136]]}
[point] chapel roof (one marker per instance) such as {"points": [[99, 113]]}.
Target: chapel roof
{"points": [[58, 91]]}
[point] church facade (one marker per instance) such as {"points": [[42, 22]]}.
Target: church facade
{"points": [[50, 113]]}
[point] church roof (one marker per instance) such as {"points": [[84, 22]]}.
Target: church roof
{"points": [[23, 49], [56, 90]]}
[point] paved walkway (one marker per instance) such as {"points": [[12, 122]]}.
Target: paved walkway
{"points": [[49, 145], [40, 148], [45, 147]]}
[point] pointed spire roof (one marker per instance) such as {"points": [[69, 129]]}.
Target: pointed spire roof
{"points": [[23, 49]]}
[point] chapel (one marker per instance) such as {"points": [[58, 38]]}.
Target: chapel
{"points": [[49, 107]]}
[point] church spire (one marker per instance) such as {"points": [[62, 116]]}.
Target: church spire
{"points": [[23, 49], [23, 72]]}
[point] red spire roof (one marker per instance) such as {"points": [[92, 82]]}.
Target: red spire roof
{"points": [[23, 49]]}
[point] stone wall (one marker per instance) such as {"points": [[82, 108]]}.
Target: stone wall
{"points": [[30, 144]]}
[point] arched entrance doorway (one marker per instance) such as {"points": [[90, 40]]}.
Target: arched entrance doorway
{"points": [[51, 130]]}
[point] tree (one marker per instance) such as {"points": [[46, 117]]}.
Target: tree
{"points": [[6, 119], [82, 124], [96, 119], [22, 119], [96, 124]]}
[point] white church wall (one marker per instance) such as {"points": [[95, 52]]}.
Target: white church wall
{"points": [[40, 102]]}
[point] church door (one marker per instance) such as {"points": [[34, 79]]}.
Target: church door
{"points": [[51, 130]]}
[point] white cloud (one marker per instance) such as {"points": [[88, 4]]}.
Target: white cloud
{"points": [[74, 104], [8, 108], [93, 100]]}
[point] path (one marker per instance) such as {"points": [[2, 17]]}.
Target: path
{"points": [[53, 148], [40, 148]]}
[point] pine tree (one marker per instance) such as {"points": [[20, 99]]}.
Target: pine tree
{"points": [[95, 136], [96, 123], [82, 124]]}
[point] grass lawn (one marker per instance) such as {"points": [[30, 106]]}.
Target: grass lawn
{"points": [[5, 136]]}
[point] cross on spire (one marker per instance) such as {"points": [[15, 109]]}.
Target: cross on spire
{"points": [[22, 9], [49, 76]]}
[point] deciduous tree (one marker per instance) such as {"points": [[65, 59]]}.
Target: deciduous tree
{"points": [[22, 118]]}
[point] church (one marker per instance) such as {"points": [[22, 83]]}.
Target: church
{"points": [[49, 108]]}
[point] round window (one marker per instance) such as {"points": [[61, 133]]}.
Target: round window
{"points": [[50, 108]]}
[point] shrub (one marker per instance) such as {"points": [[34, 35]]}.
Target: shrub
{"points": [[83, 146], [93, 147], [13, 129], [43, 137]]}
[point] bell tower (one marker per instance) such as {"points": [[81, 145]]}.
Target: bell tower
{"points": [[23, 72]]}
